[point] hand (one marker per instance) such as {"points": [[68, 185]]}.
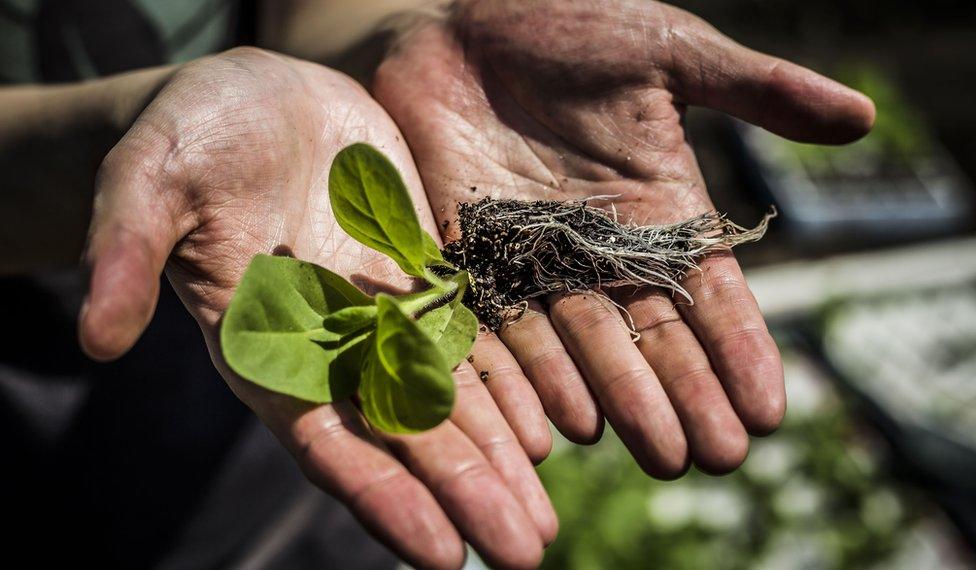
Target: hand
{"points": [[231, 159], [569, 100]]}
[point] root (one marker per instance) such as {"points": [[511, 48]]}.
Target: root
{"points": [[517, 250]]}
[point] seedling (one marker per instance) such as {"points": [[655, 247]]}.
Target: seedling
{"points": [[299, 329]]}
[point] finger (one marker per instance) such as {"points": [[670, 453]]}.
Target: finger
{"points": [[627, 389], [473, 494], [716, 438], [711, 70], [728, 323], [135, 225], [335, 451], [564, 394], [513, 394], [476, 414]]}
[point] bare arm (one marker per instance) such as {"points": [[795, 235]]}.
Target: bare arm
{"points": [[52, 140], [343, 34], [53, 137]]}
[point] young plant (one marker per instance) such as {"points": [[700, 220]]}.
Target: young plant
{"points": [[299, 329]]}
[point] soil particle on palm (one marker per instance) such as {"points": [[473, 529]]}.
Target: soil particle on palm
{"points": [[518, 250]]}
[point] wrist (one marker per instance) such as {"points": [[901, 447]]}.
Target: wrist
{"points": [[347, 35]]}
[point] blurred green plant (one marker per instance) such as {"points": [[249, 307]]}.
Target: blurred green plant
{"points": [[900, 134], [812, 496]]}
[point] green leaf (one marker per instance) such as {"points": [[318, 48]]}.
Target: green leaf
{"points": [[371, 203], [350, 319], [406, 385], [453, 328], [272, 332], [432, 252]]}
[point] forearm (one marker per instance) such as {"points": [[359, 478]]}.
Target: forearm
{"points": [[344, 34], [52, 140]]}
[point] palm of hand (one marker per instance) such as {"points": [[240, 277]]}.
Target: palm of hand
{"points": [[554, 100], [231, 159], [249, 142]]}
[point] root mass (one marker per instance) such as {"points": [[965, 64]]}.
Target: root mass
{"points": [[519, 250]]}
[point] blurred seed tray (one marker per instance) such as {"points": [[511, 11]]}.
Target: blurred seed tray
{"points": [[896, 184], [817, 494], [909, 361]]}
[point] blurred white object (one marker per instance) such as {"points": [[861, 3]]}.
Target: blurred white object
{"points": [[914, 355], [792, 289]]}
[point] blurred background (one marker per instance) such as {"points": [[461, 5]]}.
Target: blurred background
{"points": [[868, 280]]}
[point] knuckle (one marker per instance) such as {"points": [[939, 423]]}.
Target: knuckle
{"points": [[649, 315], [505, 372], [582, 317], [473, 473], [365, 491], [750, 345], [694, 381], [465, 378], [313, 455], [621, 379], [499, 445], [724, 283], [545, 358]]}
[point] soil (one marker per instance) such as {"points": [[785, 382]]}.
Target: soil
{"points": [[519, 250]]}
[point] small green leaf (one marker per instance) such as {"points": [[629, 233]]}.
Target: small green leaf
{"points": [[371, 203], [350, 319], [272, 332], [432, 252], [406, 385], [453, 328]]}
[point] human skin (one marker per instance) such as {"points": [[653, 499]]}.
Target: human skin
{"points": [[227, 157], [548, 99], [71, 126], [607, 78]]}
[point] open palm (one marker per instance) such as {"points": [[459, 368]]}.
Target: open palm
{"points": [[569, 100], [231, 159]]}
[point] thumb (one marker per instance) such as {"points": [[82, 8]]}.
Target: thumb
{"points": [[711, 70], [134, 228]]}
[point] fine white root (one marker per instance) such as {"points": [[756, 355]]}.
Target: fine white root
{"points": [[518, 250]]}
